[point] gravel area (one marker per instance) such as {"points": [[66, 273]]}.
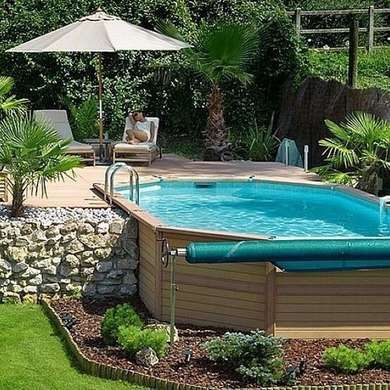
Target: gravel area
{"points": [[63, 214], [200, 370]]}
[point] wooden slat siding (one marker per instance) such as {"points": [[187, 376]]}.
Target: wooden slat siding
{"points": [[147, 267], [333, 304], [224, 295]]}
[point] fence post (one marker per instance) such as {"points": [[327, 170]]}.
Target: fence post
{"points": [[298, 20], [353, 52], [370, 28]]}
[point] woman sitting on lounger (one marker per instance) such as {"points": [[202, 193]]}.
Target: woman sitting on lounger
{"points": [[141, 129]]}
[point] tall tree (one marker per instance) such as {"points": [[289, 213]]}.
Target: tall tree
{"points": [[220, 53]]}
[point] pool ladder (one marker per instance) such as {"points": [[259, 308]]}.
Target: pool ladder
{"points": [[109, 181]]}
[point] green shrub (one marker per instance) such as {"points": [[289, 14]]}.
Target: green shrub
{"points": [[346, 360], [133, 339], [120, 315], [84, 119], [379, 352], [255, 355]]}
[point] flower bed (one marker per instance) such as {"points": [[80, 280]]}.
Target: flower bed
{"points": [[200, 371]]}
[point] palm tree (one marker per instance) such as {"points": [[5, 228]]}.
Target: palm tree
{"points": [[33, 154], [220, 53], [358, 152], [8, 103]]}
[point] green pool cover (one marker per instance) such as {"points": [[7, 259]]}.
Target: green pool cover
{"points": [[297, 255]]}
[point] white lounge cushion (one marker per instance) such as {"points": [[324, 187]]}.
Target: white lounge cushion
{"points": [[135, 148], [78, 147]]}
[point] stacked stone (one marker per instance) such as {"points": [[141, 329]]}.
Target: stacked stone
{"points": [[96, 258]]}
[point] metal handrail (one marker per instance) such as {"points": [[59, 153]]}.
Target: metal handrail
{"points": [[109, 181]]}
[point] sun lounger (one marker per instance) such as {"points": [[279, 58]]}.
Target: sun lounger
{"points": [[142, 152], [59, 120]]}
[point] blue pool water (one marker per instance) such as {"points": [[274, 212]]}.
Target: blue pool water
{"points": [[265, 208]]}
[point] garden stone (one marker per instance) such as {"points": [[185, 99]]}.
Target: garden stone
{"points": [[129, 278], [114, 274], [68, 227], [20, 267], [89, 289], [104, 266], [116, 227], [29, 273], [85, 255], [49, 288], [71, 261], [127, 263], [11, 297], [128, 290], [131, 229], [38, 236], [5, 266], [102, 228], [14, 288], [41, 264], [88, 262], [26, 229], [105, 290], [53, 241], [36, 281], [51, 270], [30, 289], [94, 241], [14, 232], [69, 237], [86, 228], [53, 232], [66, 270], [21, 242], [74, 246], [146, 357], [102, 253], [56, 260], [87, 271], [16, 254]]}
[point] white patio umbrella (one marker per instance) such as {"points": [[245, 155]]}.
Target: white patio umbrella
{"points": [[100, 33]]}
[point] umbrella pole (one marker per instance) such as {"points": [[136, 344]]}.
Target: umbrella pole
{"points": [[100, 79]]}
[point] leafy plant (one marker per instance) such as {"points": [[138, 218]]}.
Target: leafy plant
{"points": [[254, 355], [114, 318], [84, 119], [33, 154], [258, 143], [134, 339], [358, 152], [9, 103], [379, 352], [220, 53], [346, 360]]}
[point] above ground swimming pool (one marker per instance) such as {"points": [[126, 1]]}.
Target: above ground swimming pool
{"points": [[263, 208]]}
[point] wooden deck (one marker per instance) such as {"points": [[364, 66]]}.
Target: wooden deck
{"points": [[78, 192]]}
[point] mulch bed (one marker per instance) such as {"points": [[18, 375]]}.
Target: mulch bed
{"points": [[200, 371]]}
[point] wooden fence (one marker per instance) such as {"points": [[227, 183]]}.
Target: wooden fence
{"points": [[370, 29]]}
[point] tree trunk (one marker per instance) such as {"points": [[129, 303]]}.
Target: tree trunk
{"points": [[17, 207], [216, 133]]}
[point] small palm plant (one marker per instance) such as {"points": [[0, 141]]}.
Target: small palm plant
{"points": [[358, 152], [33, 154], [9, 103], [219, 53]]}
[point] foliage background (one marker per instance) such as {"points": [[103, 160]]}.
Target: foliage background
{"points": [[50, 80]]}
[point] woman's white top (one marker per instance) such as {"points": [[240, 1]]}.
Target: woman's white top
{"points": [[143, 126]]}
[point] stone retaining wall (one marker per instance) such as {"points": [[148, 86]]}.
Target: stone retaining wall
{"points": [[96, 258]]}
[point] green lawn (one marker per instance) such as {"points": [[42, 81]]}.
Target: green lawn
{"points": [[32, 357]]}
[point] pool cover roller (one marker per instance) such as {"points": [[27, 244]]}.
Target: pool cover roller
{"points": [[297, 254]]}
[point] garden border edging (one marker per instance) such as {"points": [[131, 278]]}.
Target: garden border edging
{"points": [[93, 368]]}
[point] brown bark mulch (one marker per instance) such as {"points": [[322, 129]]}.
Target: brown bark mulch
{"points": [[200, 371]]}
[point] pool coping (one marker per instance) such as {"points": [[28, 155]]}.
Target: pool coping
{"points": [[105, 371]]}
